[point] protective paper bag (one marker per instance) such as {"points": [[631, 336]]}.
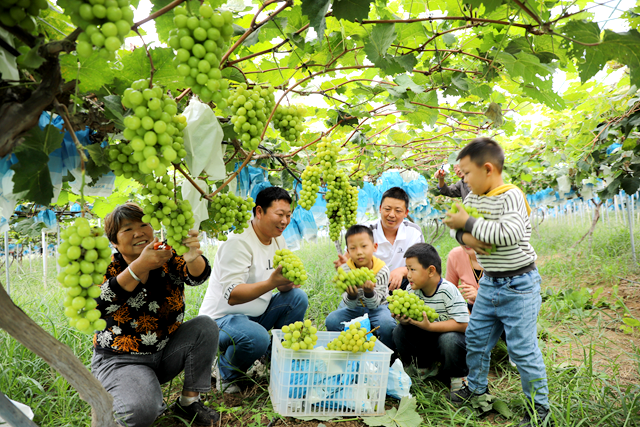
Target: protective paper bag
{"points": [[198, 203], [203, 141]]}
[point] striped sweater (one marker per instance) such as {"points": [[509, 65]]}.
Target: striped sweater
{"points": [[380, 291], [506, 224]]}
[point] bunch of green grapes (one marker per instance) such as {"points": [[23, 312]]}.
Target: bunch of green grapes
{"points": [[84, 258], [408, 304], [310, 186], [342, 204], [122, 161], [105, 23], [354, 340], [350, 200], [200, 44], [161, 210], [250, 109], [300, 336], [292, 267], [357, 174], [21, 13], [327, 157], [288, 120], [472, 211], [355, 277], [154, 130], [227, 212]]}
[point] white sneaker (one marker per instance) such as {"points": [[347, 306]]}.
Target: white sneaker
{"points": [[511, 362], [457, 383], [257, 370], [229, 388]]}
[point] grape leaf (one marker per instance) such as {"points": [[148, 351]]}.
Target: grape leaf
{"points": [[32, 59], [630, 185], [624, 47], [594, 57], [32, 170], [315, 10], [93, 73], [405, 416], [113, 110], [376, 47], [351, 10], [489, 5], [407, 61]]}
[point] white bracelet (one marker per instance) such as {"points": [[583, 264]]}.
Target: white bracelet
{"points": [[133, 275]]}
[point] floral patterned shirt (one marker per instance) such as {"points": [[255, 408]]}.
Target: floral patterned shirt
{"points": [[142, 321]]}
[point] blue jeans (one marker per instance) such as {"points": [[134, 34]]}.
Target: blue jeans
{"points": [[379, 316], [134, 379], [426, 347], [244, 339], [510, 304]]}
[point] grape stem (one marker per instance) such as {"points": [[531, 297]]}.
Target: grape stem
{"points": [[374, 329], [155, 14], [188, 177], [146, 49]]}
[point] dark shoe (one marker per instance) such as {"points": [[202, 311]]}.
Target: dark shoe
{"points": [[463, 396], [199, 414], [540, 417]]}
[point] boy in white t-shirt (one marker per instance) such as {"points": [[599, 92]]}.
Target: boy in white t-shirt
{"points": [[240, 298]]}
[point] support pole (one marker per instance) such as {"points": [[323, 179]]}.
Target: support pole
{"points": [[30, 257], [6, 260], [630, 215], [57, 246], [44, 258]]}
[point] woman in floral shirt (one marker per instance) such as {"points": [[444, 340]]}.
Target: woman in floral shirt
{"points": [[146, 343]]}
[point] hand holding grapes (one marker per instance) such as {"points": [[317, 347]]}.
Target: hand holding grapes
{"points": [[352, 291], [468, 292], [475, 244], [150, 259], [278, 280], [368, 286], [193, 244], [457, 220]]}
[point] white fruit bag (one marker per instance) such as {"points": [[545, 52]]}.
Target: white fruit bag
{"points": [[203, 141]]}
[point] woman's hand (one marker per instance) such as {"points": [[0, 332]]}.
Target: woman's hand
{"points": [[193, 243], [469, 292], [150, 259]]}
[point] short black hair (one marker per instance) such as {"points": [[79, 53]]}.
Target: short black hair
{"points": [[483, 150], [358, 229], [426, 256], [267, 196], [128, 212], [396, 193]]}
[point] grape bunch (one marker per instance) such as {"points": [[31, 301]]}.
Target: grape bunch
{"points": [[154, 131], [310, 186], [227, 212], [327, 157], [160, 209], [250, 109], [288, 120], [342, 204], [21, 13], [292, 267], [105, 24], [357, 174], [355, 277], [200, 43], [122, 161], [403, 303], [300, 336], [354, 340], [84, 258]]}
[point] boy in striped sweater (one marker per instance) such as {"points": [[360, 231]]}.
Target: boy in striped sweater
{"points": [[370, 298], [509, 294]]}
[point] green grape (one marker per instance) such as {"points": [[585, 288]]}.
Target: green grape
{"points": [[310, 186], [292, 267], [353, 339], [407, 303], [227, 212], [300, 336], [82, 270], [355, 277], [472, 211], [155, 132], [288, 120], [199, 42], [250, 109], [21, 13], [105, 24]]}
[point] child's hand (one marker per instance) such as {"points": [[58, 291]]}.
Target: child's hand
{"points": [[424, 325], [403, 320], [352, 292], [342, 259], [475, 244], [368, 286], [458, 219]]}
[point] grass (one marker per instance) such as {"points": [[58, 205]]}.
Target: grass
{"points": [[593, 368]]}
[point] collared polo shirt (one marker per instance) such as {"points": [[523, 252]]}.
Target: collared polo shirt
{"points": [[393, 255]]}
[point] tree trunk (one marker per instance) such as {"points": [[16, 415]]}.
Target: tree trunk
{"points": [[58, 356], [596, 217]]}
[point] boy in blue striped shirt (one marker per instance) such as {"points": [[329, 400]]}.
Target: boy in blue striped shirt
{"points": [[509, 294], [442, 340]]}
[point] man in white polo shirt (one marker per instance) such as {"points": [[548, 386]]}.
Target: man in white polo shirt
{"points": [[394, 234]]}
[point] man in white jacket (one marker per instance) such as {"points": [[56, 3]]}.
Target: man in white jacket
{"points": [[240, 295]]}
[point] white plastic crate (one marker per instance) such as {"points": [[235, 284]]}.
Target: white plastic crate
{"points": [[328, 383]]}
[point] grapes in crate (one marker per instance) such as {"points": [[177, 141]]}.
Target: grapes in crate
{"points": [[355, 277], [354, 340], [292, 267], [300, 336], [84, 257], [403, 303]]}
